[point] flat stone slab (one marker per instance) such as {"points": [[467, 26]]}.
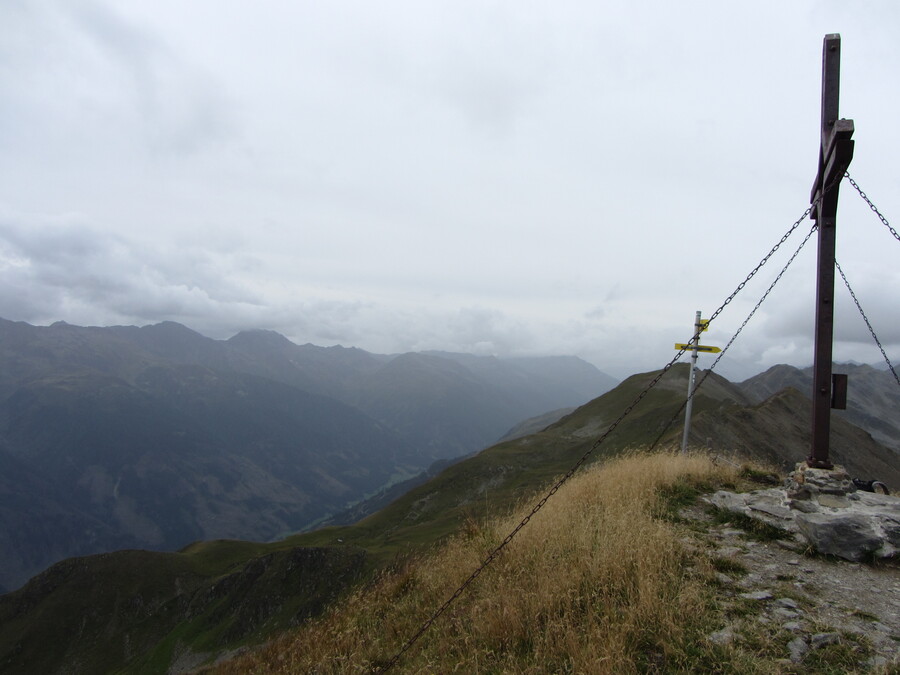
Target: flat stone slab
{"points": [[769, 506], [851, 536], [833, 501], [854, 526]]}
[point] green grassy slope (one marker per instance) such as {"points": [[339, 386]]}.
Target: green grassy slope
{"points": [[494, 480], [138, 610], [777, 432]]}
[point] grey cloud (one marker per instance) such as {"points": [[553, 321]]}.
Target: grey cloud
{"points": [[184, 109], [488, 331], [90, 73], [490, 100], [793, 317], [65, 268], [64, 261], [385, 328]]}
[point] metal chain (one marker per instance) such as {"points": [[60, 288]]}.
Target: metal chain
{"points": [[872, 206], [490, 558], [734, 337], [837, 179], [866, 319], [764, 260], [783, 239]]}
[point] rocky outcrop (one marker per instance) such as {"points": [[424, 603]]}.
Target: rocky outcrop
{"points": [[824, 509]]}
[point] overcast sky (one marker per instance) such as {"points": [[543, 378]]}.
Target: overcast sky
{"points": [[492, 177]]}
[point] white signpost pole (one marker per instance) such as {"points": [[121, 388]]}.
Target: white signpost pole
{"points": [[695, 342]]}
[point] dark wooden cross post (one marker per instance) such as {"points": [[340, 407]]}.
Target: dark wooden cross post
{"points": [[835, 153]]}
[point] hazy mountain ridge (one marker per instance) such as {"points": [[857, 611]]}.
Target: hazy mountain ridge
{"points": [[409, 392], [157, 436], [486, 484], [193, 454], [873, 396]]}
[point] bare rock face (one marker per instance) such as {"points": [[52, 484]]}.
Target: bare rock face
{"points": [[849, 536], [824, 507], [767, 506]]}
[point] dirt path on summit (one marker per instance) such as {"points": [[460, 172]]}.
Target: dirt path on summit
{"points": [[834, 595]]}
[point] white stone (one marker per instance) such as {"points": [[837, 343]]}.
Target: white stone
{"points": [[721, 637], [757, 595], [784, 613], [797, 648]]}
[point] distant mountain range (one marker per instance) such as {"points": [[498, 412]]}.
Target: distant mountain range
{"points": [[155, 437], [164, 612]]}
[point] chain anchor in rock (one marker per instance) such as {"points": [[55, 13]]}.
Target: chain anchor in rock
{"points": [[871, 486]]}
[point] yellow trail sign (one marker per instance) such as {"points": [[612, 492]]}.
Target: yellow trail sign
{"points": [[699, 348]]}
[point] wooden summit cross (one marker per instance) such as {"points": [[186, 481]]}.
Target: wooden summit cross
{"points": [[835, 154]]}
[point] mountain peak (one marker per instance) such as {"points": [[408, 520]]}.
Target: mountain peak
{"points": [[169, 328], [260, 338]]}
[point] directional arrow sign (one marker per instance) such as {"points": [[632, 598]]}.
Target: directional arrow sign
{"points": [[699, 348]]}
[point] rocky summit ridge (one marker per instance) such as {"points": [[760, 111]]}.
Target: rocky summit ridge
{"points": [[816, 605], [824, 509]]}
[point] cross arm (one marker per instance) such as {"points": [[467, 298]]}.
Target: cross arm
{"points": [[837, 152]]}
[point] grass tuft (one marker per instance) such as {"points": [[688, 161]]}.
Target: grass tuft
{"points": [[728, 565], [754, 529], [761, 476]]}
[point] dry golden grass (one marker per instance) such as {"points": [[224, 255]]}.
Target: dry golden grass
{"points": [[597, 582]]}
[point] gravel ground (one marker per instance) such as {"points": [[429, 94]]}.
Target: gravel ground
{"points": [[819, 600]]}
